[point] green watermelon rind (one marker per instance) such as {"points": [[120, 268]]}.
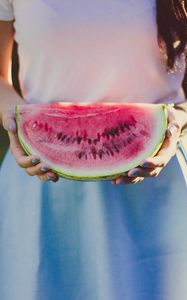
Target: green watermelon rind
{"points": [[58, 171]]}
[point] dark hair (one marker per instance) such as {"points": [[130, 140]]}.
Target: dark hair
{"points": [[172, 28]]}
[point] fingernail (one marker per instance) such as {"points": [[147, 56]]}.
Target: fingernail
{"points": [[134, 174], [145, 164], [35, 161], [173, 130], [50, 177], [44, 169], [119, 180], [56, 179], [11, 126]]}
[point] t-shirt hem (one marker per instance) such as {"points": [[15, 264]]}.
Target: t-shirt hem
{"points": [[6, 17]]}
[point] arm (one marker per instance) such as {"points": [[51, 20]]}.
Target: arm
{"points": [[8, 100], [8, 97]]}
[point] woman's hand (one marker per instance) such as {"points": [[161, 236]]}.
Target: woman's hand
{"points": [[31, 164], [152, 166]]}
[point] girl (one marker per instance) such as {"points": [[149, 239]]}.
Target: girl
{"points": [[94, 241]]}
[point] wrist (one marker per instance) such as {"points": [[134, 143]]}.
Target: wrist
{"points": [[8, 109], [8, 98]]}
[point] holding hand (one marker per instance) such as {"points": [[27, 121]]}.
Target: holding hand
{"points": [[31, 164], [152, 166]]}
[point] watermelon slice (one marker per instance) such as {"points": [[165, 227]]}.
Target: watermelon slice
{"points": [[91, 141]]}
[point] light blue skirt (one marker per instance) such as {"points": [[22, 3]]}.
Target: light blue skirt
{"points": [[92, 240]]}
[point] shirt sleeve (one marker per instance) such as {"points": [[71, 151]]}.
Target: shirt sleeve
{"points": [[6, 10]]}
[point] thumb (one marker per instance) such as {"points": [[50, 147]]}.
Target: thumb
{"points": [[173, 130], [9, 123]]}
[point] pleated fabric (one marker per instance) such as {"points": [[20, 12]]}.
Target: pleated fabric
{"points": [[92, 240]]}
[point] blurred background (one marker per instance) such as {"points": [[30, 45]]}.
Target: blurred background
{"points": [[15, 69]]}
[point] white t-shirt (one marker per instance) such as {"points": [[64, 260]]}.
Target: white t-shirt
{"points": [[101, 50]]}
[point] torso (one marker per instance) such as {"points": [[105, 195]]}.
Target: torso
{"points": [[102, 50]]}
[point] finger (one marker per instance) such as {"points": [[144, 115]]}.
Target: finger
{"points": [[122, 175], [127, 180], [173, 130], [49, 176], [27, 161], [22, 159], [170, 143], [143, 172], [39, 169], [52, 176], [9, 122], [15, 146], [157, 161]]}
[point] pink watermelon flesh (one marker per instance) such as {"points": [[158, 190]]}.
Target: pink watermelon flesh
{"points": [[91, 141]]}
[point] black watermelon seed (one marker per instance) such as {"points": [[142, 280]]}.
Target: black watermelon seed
{"points": [[79, 139], [129, 140], [109, 149], [63, 137], [100, 152], [132, 120], [126, 126], [112, 132], [80, 155], [59, 135], [98, 136], [115, 148], [68, 139], [111, 152], [89, 141], [117, 131], [94, 152], [95, 141], [108, 135], [107, 152], [121, 126]]}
